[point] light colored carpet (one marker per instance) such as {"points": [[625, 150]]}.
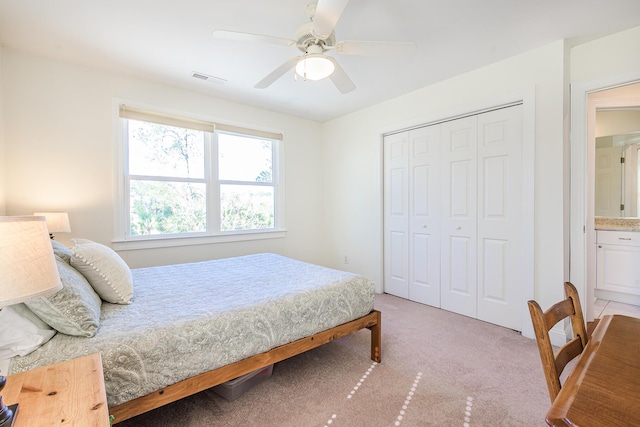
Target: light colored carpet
{"points": [[438, 369]]}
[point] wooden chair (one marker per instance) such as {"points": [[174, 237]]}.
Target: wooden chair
{"points": [[553, 365]]}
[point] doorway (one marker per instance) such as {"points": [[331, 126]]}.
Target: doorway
{"points": [[586, 100]]}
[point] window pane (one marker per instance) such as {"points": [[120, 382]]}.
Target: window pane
{"points": [[161, 207], [244, 159], [246, 207], [160, 150]]}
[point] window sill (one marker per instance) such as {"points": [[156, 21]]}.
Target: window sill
{"points": [[167, 242]]}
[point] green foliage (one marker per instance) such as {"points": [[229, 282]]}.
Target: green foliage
{"points": [[162, 204], [166, 150], [167, 207], [246, 210], [265, 175]]}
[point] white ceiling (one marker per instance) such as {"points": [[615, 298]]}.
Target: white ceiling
{"points": [[167, 41]]}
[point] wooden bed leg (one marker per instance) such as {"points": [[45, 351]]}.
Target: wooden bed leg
{"points": [[376, 337]]}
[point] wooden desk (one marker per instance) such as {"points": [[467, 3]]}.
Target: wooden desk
{"points": [[69, 393], [604, 387]]}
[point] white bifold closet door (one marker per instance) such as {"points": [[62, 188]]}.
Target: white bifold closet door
{"points": [[458, 206], [412, 215], [500, 220], [424, 215], [453, 215], [396, 214]]}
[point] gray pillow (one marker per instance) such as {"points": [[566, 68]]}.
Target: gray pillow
{"points": [[73, 310], [62, 251]]}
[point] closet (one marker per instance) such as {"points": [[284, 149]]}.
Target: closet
{"points": [[453, 215]]}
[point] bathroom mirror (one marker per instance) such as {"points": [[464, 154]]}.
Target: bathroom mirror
{"points": [[617, 132], [616, 175]]}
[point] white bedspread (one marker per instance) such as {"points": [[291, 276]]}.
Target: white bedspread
{"points": [[187, 319]]}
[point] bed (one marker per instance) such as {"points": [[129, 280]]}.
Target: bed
{"points": [[188, 327]]}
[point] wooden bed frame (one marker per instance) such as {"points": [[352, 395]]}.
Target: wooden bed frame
{"points": [[193, 385]]}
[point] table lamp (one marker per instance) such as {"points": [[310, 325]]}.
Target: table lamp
{"points": [[57, 222], [27, 270]]}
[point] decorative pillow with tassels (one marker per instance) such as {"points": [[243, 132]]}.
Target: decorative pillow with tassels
{"points": [[105, 270]]}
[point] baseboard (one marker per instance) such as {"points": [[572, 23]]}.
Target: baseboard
{"points": [[617, 297], [558, 335]]}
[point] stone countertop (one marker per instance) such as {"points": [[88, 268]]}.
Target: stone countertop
{"points": [[617, 224]]}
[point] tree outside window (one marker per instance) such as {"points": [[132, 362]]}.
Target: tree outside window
{"points": [[176, 185]]}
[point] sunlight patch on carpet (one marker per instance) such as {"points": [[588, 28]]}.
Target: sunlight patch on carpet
{"points": [[467, 412], [330, 421], [362, 380], [407, 400], [354, 390]]}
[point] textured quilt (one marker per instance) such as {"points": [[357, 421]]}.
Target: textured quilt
{"points": [[186, 319]]}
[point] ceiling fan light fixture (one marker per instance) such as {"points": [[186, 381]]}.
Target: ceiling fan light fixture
{"points": [[315, 67]]}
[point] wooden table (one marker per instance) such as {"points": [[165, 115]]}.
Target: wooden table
{"points": [[604, 387], [69, 393]]}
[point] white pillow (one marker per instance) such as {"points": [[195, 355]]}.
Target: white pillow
{"points": [[21, 331], [103, 268]]}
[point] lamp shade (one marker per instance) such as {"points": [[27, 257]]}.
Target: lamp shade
{"points": [[57, 222], [27, 266], [315, 67]]}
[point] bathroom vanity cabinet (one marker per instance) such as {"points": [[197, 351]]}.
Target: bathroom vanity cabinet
{"points": [[618, 261]]}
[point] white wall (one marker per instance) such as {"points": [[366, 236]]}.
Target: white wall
{"points": [[353, 160], [615, 55], [3, 170], [60, 154]]}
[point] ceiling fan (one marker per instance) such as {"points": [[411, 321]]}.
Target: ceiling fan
{"points": [[316, 37]]}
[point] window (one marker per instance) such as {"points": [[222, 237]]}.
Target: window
{"points": [[245, 169], [184, 178]]}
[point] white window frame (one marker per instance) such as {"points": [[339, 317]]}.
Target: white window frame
{"points": [[124, 241]]}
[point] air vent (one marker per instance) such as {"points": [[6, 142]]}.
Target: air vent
{"points": [[208, 78]]}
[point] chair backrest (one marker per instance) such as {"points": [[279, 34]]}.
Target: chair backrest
{"points": [[543, 321]]}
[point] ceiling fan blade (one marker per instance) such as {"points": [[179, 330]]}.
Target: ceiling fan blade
{"points": [[369, 48], [249, 37], [277, 73], [340, 78], [326, 16]]}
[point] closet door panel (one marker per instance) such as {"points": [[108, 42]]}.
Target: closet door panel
{"points": [[494, 187], [460, 250], [458, 216], [396, 214], [500, 217], [420, 268], [424, 221], [493, 268], [461, 192], [397, 262]]}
